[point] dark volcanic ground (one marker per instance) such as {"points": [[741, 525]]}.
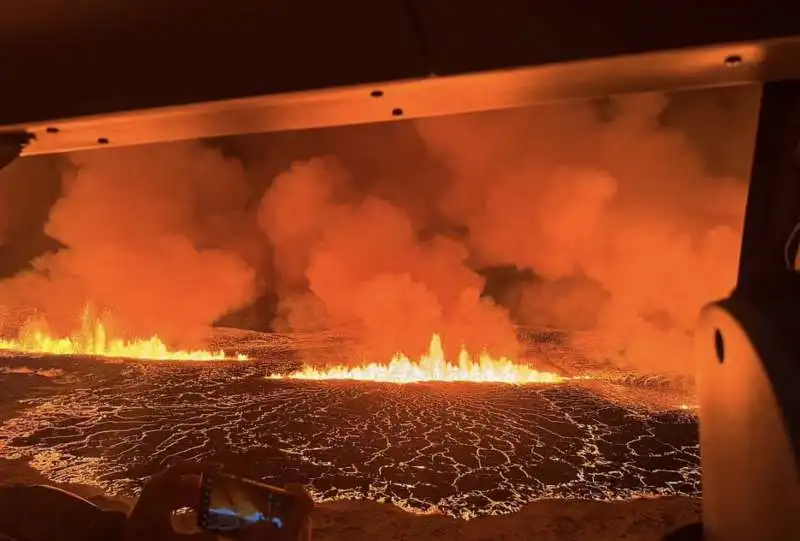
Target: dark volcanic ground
{"points": [[466, 449]]}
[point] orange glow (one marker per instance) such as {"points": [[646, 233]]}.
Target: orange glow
{"points": [[93, 340], [433, 367]]}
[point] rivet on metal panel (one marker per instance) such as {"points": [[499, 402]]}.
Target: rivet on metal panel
{"points": [[733, 60]]}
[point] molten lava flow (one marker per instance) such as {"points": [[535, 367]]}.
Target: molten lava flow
{"points": [[433, 367], [92, 340]]}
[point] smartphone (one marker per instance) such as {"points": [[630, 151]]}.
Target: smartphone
{"points": [[230, 504]]}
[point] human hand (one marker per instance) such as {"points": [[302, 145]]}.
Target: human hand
{"points": [[176, 487]]}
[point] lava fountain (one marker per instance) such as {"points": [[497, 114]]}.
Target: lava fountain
{"points": [[93, 340], [432, 366]]}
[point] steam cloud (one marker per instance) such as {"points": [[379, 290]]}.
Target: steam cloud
{"points": [[147, 233], [621, 221], [620, 218]]}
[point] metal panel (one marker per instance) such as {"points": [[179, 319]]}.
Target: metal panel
{"points": [[66, 59], [420, 98], [770, 239], [143, 71], [749, 463], [477, 35]]}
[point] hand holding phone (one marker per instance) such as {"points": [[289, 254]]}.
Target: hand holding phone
{"points": [[173, 488]]}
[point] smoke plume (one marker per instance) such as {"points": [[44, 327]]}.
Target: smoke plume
{"points": [[617, 220], [149, 234], [620, 220], [359, 259]]}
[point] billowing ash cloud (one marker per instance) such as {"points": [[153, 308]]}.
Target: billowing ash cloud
{"points": [[150, 234], [621, 219], [355, 261]]}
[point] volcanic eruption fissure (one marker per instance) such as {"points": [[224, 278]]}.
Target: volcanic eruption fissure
{"points": [[568, 247], [433, 366], [92, 340], [606, 213]]}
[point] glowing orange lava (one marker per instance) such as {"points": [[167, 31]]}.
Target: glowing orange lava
{"points": [[93, 340], [433, 367]]}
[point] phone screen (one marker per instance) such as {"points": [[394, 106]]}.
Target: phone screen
{"points": [[231, 503]]}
